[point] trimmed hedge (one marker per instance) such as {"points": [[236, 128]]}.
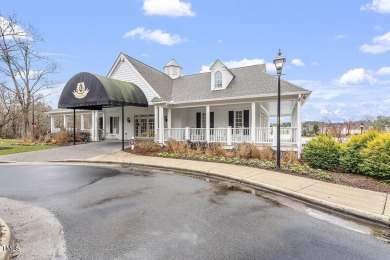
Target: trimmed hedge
{"points": [[351, 157], [322, 152], [376, 157]]}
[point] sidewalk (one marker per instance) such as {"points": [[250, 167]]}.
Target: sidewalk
{"points": [[371, 205]]}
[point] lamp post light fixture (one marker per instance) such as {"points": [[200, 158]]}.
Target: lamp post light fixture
{"points": [[279, 62], [361, 127]]}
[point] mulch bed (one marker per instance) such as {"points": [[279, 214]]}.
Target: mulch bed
{"points": [[347, 179]]}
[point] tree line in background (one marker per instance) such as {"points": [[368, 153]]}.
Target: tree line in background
{"points": [[346, 128], [24, 80]]}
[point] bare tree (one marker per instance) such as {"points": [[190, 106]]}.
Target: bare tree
{"points": [[8, 108], [26, 72], [348, 125]]}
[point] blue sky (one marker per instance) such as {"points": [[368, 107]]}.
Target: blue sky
{"points": [[338, 49]]}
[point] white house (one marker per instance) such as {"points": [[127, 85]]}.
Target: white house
{"points": [[224, 105]]}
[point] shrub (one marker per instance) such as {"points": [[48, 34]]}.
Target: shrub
{"points": [[82, 136], [62, 137], [376, 157], [322, 152], [290, 157], [266, 153], [149, 146], [244, 150], [218, 150], [351, 159], [174, 146]]}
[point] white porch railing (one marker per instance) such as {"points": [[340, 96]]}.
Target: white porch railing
{"points": [[197, 134], [177, 134], [263, 135], [218, 135], [241, 135], [288, 135]]}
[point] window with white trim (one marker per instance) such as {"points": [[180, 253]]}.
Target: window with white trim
{"points": [[144, 126], [218, 79], [203, 120], [238, 122]]}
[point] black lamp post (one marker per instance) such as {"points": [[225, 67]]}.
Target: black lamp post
{"points": [[279, 62], [361, 127]]}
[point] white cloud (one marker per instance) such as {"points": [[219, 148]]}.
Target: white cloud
{"points": [[168, 7], [315, 63], [270, 67], [297, 62], [384, 71], [57, 54], [321, 91], [205, 69], [158, 36], [380, 6], [32, 74], [387, 99], [243, 63], [220, 41], [357, 76], [237, 64], [380, 44], [10, 30], [339, 103], [340, 36]]}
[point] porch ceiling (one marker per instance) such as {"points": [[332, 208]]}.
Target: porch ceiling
{"points": [[286, 107]]}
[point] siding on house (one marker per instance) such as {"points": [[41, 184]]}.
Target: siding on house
{"points": [[126, 72]]}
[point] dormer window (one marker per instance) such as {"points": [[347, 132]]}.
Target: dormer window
{"points": [[218, 79]]}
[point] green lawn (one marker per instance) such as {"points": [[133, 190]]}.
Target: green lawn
{"points": [[9, 146]]}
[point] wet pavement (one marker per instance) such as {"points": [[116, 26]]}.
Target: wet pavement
{"points": [[139, 213]]}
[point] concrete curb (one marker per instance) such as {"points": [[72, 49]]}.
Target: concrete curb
{"points": [[8, 161], [373, 217], [6, 239]]}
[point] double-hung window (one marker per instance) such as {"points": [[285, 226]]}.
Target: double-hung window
{"points": [[218, 79]]}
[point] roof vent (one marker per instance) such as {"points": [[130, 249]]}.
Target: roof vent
{"points": [[173, 69]]}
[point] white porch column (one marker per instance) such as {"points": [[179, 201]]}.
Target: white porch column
{"points": [[92, 126], [96, 125], [299, 126], [187, 133], [82, 121], [169, 118], [207, 124], [65, 123], [51, 124], [229, 135], [156, 134], [253, 126], [161, 124], [104, 124]]}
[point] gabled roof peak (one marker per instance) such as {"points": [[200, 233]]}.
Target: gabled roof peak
{"points": [[218, 63], [173, 63]]}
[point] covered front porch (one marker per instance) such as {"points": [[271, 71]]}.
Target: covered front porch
{"points": [[230, 123]]}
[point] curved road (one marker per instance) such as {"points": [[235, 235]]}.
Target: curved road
{"points": [[125, 213]]}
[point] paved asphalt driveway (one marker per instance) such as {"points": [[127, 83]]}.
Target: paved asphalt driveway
{"points": [[125, 213], [81, 151]]}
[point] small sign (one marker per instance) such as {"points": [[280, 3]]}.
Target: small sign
{"points": [[81, 91]]}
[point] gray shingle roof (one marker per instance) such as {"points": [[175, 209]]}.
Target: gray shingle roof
{"points": [[159, 81], [248, 81]]}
